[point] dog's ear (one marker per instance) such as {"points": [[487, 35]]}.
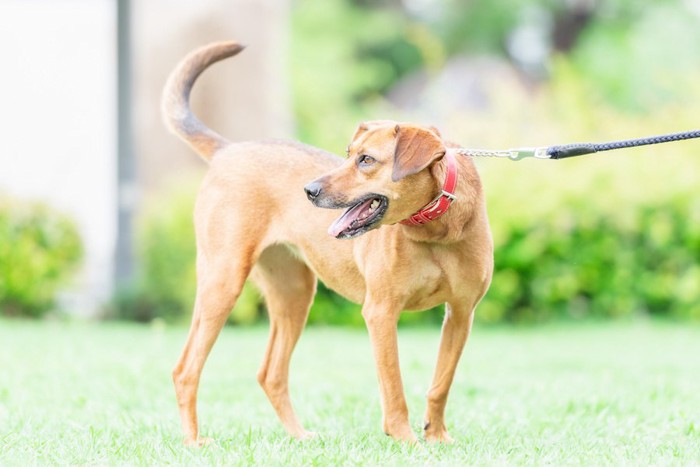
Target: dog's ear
{"points": [[364, 126], [416, 149], [361, 129]]}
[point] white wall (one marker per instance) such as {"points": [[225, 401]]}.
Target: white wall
{"points": [[58, 106], [246, 97], [58, 121]]}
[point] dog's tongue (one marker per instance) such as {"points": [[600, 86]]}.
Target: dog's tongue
{"points": [[348, 217]]}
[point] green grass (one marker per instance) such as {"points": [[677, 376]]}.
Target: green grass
{"points": [[586, 394]]}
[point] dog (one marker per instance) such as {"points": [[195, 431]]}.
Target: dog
{"points": [[414, 234]]}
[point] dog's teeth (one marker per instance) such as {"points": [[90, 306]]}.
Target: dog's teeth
{"points": [[374, 205]]}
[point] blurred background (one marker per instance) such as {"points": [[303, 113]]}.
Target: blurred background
{"points": [[96, 197]]}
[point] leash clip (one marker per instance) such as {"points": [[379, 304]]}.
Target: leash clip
{"points": [[512, 154], [522, 153]]}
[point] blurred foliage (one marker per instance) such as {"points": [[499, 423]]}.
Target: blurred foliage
{"points": [[346, 54], [640, 58], [602, 252], [39, 249], [613, 70], [342, 58], [580, 262], [607, 235], [610, 235], [165, 288]]}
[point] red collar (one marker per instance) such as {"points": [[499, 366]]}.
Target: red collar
{"points": [[441, 203]]}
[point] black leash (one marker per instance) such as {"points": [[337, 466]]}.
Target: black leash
{"points": [[578, 149]]}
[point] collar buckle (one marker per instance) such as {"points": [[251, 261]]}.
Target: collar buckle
{"points": [[448, 195]]}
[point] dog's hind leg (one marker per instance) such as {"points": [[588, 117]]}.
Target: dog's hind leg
{"points": [[456, 328], [289, 287], [219, 283]]}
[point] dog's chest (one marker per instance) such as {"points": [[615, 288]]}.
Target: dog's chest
{"points": [[417, 277], [427, 281]]}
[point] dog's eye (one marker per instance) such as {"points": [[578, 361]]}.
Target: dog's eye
{"points": [[366, 160]]}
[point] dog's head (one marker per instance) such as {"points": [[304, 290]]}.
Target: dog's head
{"points": [[384, 180]]}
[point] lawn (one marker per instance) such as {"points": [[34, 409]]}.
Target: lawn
{"points": [[591, 394]]}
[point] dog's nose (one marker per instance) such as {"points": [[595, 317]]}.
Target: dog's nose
{"points": [[312, 190]]}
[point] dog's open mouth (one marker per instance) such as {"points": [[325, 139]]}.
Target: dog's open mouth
{"points": [[360, 217]]}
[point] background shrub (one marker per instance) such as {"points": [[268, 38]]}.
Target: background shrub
{"points": [[610, 235], [39, 249], [576, 261], [580, 263], [166, 283]]}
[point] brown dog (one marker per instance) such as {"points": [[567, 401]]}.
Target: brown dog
{"points": [[252, 219]]}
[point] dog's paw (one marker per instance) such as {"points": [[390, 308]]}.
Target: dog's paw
{"points": [[198, 442], [438, 436], [306, 435], [405, 435]]}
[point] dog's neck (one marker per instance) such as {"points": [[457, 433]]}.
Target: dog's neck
{"points": [[467, 208], [442, 202]]}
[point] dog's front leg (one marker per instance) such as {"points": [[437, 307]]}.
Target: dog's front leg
{"points": [[455, 331], [381, 323]]}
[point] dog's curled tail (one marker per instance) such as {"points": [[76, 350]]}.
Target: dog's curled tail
{"points": [[175, 103]]}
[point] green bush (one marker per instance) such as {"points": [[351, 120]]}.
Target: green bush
{"points": [[166, 283], [579, 260], [331, 308], [39, 249], [580, 263], [607, 235], [166, 248]]}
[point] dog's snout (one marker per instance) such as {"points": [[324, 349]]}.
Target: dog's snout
{"points": [[313, 190]]}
